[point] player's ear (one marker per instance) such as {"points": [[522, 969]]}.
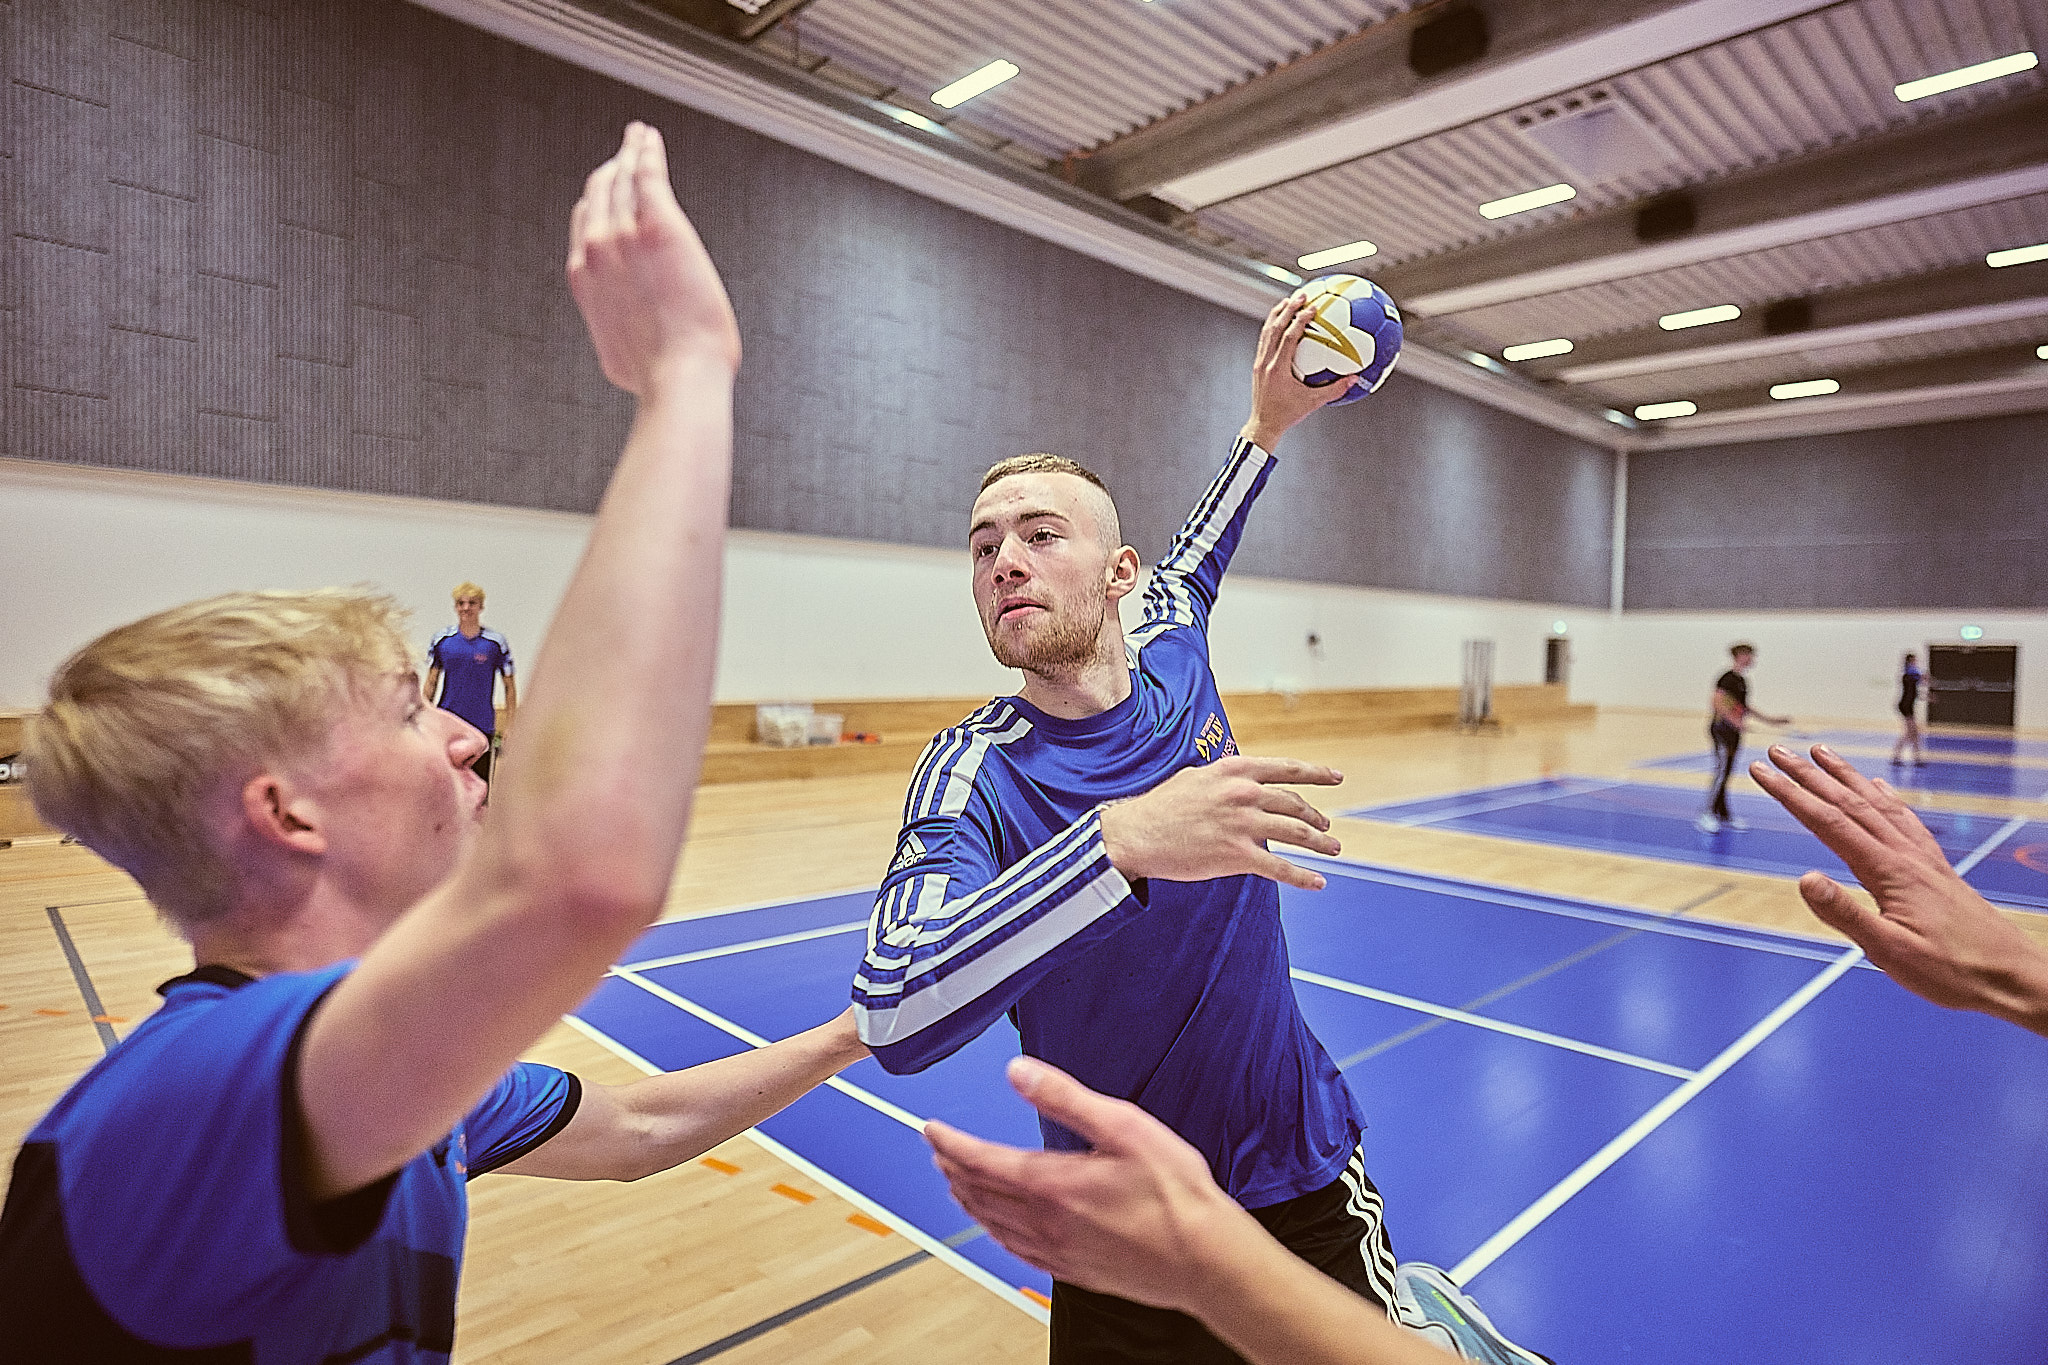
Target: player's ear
{"points": [[278, 815], [1121, 573]]}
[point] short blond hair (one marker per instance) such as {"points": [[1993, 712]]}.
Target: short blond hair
{"points": [[468, 589], [145, 725], [1110, 525]]}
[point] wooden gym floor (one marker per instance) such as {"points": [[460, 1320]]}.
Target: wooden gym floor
{"points": [[730, 1256]]}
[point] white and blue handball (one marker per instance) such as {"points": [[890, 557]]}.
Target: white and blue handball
{"points": [[1356, 330]]}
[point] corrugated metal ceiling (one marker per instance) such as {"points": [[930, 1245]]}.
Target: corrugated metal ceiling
{"points": [[1092, 69]]}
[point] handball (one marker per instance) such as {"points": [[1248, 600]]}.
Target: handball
{"points": [[1356, 330]]}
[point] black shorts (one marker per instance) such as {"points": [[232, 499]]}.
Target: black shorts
{"points": [[1337, 1229]]}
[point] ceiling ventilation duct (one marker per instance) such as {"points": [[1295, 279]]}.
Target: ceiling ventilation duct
{"points": [[1597, 138]]}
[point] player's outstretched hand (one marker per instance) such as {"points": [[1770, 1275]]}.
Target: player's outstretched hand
{"points": [[1215, 821], [649, 293], [1931, 932], [1279, 400], [1139, 1216]]}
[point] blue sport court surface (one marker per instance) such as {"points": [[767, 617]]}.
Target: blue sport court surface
{"points": [[1637, 1138], [2004, 858], [1936, 775], [1991, 746]]}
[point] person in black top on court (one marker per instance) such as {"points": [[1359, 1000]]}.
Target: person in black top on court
{"points": [[1724, 728], [1910, 678]]}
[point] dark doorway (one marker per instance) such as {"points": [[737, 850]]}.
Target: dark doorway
{"points": [[1557, 658], [1972, 684]]}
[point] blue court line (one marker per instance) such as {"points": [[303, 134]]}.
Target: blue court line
{"points": [[1555, 1198], [800, 936], [1569, 786]]}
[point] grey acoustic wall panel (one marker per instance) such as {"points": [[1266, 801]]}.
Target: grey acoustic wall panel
{"points": [[319, 242], [1947, 515]]}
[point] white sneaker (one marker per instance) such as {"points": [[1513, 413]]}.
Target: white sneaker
{"points": [[1450, 1317], [1707, 824], [1735, 822]]}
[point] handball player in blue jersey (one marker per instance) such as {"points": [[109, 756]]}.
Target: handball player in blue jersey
{"points": [[270, 1169], [1090, 856], [464, 663]]}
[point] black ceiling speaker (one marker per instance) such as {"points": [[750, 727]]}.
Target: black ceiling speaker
{"points": [[1665, 217], [1788, 315], [1447, 41]]}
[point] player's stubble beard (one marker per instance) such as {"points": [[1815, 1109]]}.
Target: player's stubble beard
{"points": [[1060, 648]]}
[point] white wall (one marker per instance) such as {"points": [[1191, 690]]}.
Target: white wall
{"points": [[1830, 665], [805, 617]]}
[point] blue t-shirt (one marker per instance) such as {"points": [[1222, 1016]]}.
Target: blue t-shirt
{"points": [[1174, 995], [159, 1211], [469, 673]]}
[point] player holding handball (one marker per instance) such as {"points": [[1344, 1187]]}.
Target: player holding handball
{"points": [[1091, 857]]}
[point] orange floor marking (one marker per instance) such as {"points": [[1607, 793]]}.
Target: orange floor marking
{"points": [[790, 1192], [867, 1224], [1032, 1294], [110, 1018], [722, 1167], [54, 1014]]}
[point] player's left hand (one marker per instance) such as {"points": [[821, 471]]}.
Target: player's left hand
{"points": [[1279, 400]]}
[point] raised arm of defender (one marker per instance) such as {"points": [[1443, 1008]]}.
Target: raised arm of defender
{"points": [[586, 823]]}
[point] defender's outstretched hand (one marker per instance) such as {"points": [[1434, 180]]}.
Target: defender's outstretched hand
{"points": [[648, 291], [1215, 821], [1279, 400], [1141, 1217], [1931, 932]]}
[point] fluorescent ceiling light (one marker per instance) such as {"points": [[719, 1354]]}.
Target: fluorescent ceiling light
{"points": [[1280, 273], [1620, 419], [1651, 412], [1806, 388], [912, 117], [1966, 75], [1536, 350], [1699, 317], [1522, 203], [1337, 255], [974, 83], [2018, 255], [2041, 353]]}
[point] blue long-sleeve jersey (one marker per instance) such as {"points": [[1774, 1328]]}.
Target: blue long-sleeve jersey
{"points": [[1174, 995]]}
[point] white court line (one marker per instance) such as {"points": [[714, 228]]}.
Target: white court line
{"points": [[930, 1244], [1619, 916], [753, 1039], [1554, 1199], [1985, 849], [749, 946], [1497, 1026], [868, 887], [1483, 808]]}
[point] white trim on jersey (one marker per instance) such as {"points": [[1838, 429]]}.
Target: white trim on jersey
{"points": [[1168, 602]]}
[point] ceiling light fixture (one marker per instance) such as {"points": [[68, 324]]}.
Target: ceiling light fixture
{"points": [[1280, 273], [1965, 75], [2018, 255], [1806, 388], [974, 83], [1699, 317], [1657, 412], [1337, 255], [1522, 203], [1536, 350], [2041, 353], [913, 118]]}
